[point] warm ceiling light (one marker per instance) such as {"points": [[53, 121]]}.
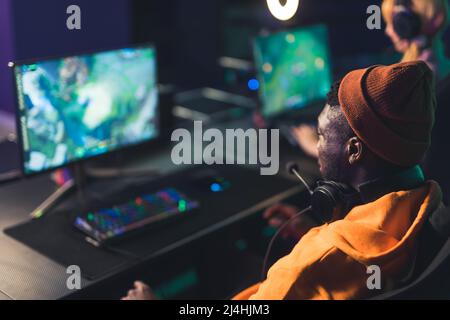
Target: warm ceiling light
{"points": [[283, 12]]}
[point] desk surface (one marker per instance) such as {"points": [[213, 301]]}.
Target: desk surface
{"points": [[24, 273]]}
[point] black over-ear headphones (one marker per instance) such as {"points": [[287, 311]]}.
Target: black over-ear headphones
{"points": [[406, 22], [330, 200]]}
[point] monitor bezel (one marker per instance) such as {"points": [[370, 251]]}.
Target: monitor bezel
{"points": [[154, 142], [311, 104]]}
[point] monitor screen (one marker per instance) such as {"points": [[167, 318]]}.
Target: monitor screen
{"points": [[78, 107], [293, 68]]}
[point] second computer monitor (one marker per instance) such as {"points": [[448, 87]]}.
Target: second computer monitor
{"points": [[293, 68], [77, 107]]}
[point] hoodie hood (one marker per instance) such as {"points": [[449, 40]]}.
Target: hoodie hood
{"points": [[330, 261], [383, 232]]}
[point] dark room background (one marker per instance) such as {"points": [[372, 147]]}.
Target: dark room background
{"points": [[190, 35]]}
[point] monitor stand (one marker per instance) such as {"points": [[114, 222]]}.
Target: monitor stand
{"points": [[77, 183]]}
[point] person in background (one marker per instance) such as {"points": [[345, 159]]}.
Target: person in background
{"points": [[423, 40]]}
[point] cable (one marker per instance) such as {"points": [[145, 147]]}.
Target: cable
{"points": [[275, 236]]}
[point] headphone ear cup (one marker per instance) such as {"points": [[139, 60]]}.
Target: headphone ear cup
{"points": [[331, 200], [322, 204], [324, 201], [407, 24]]}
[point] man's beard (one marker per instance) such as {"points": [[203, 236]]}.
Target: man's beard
{"points": [[333, 170]]}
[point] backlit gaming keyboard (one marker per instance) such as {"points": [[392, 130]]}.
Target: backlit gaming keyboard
{"points": [[106, 224]]}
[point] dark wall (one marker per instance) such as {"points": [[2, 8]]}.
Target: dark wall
{"points": [[190, 35], [38, 29], [6, 54], [346, 21], [40, 26], [186, 34]]}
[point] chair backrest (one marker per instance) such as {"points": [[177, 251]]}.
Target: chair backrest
{"points": [[437, 162], [432, 276]]}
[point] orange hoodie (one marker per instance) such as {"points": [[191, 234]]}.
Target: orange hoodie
{"points": [[330, 261]]}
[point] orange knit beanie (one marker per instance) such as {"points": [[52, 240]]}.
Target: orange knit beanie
{"points": [[391, 109]]}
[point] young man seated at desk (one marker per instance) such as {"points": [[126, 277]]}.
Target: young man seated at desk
{"points": [[373, 133]]}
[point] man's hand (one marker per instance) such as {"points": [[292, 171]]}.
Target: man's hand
{"points": [[140, 292], [278, 214], [306, 136]]}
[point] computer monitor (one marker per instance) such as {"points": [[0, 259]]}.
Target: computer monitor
{"points": [[293, 68], [78, 107]]}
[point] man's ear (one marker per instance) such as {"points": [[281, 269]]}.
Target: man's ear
{"points": [[354, 150]]}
